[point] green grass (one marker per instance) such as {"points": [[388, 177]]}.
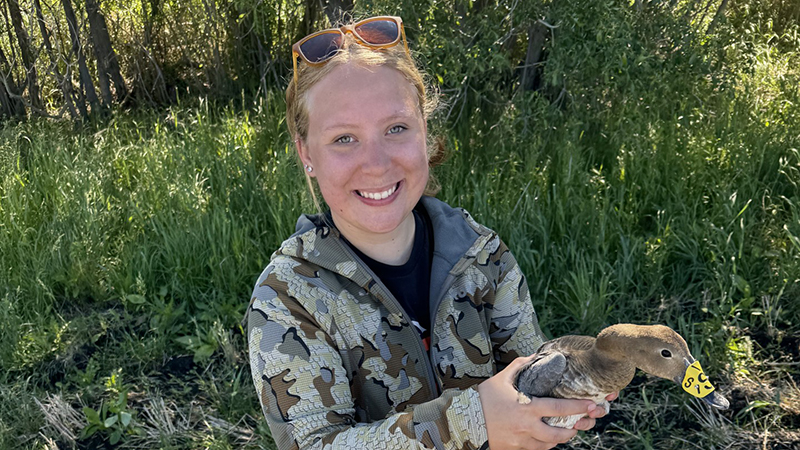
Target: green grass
{"points": [[134, 242], [662, 188]]}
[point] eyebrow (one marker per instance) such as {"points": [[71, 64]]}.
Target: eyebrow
{"points": [[402, 114]]}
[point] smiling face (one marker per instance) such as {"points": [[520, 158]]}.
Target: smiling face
{"points": [[366, 143]]}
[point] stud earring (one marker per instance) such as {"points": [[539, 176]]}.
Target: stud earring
{"points": [[309, 169]]}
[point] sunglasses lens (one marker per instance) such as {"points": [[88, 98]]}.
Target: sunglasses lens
{"points": [[378, 32], [321, 47]]}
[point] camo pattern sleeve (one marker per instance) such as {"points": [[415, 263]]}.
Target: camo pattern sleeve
{"points": [[302, 370], [514, 328], [510, 319]]}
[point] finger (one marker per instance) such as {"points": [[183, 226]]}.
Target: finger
{"points": [[545, 433], [551, 407], [597, 413], [613, 396], [584, 424]]}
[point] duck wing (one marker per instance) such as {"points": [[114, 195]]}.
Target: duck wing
{"points": [[542, 375], [569, 344], [548, 370]]}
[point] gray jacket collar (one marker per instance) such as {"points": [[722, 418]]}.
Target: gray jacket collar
{"points": [[454, 231]]}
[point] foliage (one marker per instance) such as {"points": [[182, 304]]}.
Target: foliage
{"points": [[113, 418], [651, 176]]}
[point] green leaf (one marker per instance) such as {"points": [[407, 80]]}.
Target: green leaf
{"points": [[91, 415], [204, 352], [135, 299], [188, 341], [742, 285], [125, 418], [110, 421], [115, 436], [755, 404], [88, 431]]}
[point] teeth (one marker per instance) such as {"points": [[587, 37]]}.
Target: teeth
{"points": [[378, 195]]}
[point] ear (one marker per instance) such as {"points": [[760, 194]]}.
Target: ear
{"points": [[304, 154]]}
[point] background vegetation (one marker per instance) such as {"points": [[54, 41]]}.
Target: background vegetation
{"points": [[642, 160]]}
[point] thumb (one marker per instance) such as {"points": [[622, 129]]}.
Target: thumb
{"points": [[511, 370]]}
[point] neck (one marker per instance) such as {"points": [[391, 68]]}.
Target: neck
{"points": [[611, 353], [392, 248]]}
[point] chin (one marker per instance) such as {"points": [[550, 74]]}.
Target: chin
{"points": [[384, 223], [382, 226]]}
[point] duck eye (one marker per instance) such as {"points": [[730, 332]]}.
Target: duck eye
{"points": [[666, 354]]}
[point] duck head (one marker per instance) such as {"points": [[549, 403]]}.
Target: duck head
{"points": [[660, 351]]}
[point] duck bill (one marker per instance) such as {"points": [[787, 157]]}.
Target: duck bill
{"points": [[716, 400], [695, 382]]}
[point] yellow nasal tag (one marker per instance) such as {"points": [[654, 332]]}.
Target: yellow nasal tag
{"points": [[695, 382]]}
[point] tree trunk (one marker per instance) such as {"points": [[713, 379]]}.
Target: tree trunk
{"points": [[87, 91], [150, 19], [6, 107], [717, 16], [107, 64], [244, 54], [28, 58], [309, 17], [11, 36], [10, 104], [537, 33], [478, 5], [337, 10], [704, 14], [218, 78], [460, 9], [63, 82]]}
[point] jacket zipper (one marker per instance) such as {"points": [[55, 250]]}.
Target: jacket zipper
{"points": [[433, 381]]}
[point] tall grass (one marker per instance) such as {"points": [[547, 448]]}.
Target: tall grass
{"points": [[159, 218], [664, 193]]}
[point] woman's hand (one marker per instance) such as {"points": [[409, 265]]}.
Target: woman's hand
{"points": [[587, 423], [512, 425]]}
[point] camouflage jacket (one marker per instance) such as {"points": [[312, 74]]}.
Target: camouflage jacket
{"points": [[337, 363]]}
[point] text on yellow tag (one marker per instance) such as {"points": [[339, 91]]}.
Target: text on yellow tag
{"points": [[695, 382]]}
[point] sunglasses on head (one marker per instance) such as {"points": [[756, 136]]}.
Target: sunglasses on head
{"points": [[376, 32]]}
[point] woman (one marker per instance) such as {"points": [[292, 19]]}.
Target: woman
{"points": [[394, 320]]}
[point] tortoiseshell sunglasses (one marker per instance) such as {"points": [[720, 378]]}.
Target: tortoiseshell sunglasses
{"points": [[376, 32]]}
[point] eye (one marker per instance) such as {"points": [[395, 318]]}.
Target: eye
{"points": [[666, 354], [396, 129], [346, 139]]}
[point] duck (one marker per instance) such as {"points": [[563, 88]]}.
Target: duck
{"points": [[585, 367]]}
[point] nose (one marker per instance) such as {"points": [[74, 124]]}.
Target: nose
{"points": [[376, 158]]}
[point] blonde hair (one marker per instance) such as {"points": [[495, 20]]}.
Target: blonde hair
{"points": [[354, 53]]}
